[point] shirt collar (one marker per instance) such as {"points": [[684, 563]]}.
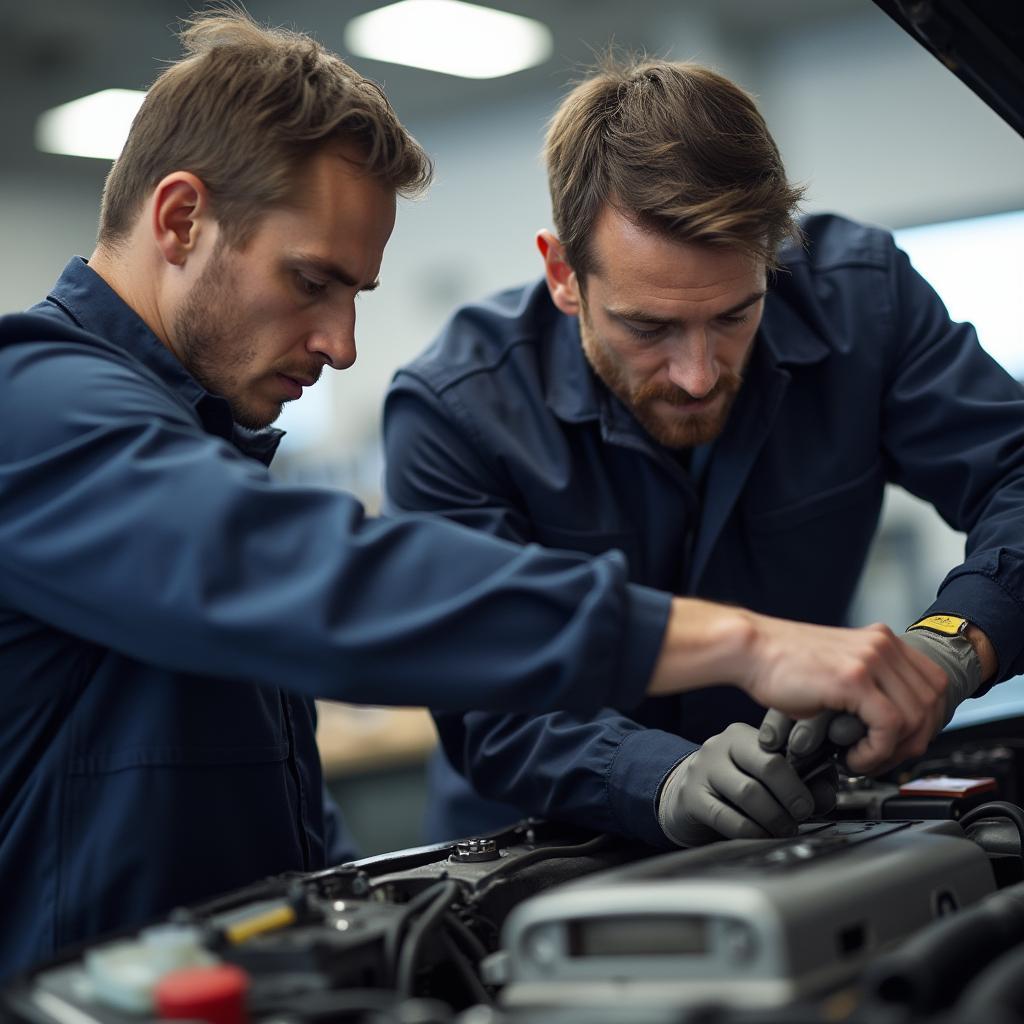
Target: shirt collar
{"points": [[95, 307]]}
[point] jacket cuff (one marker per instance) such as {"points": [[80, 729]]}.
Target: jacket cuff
{"points": [[635, 776], [983, 602], [642, 636]]}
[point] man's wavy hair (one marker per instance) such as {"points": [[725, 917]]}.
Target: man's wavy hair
{"points": [[675, 146], [244, 110]]}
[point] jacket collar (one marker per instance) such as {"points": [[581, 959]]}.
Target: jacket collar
{"points": [[792, 328], [95, 307]]}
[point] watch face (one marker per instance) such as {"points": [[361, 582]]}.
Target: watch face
{"points": [[944, 625]]}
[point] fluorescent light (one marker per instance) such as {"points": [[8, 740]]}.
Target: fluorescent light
{"points": [[450, 36], [95, 125]]}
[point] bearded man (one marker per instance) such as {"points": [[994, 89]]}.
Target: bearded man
{"points": [[721, 394]]}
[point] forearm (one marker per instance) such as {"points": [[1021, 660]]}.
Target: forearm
{"points": [[601, 772], [238, 577], [705, 644]]}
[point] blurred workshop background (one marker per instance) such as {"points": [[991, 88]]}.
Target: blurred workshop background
{"points": [[864, 116]]}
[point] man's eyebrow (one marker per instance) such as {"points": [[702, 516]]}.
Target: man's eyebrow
{"points": [[332, 270], [647, 318]]}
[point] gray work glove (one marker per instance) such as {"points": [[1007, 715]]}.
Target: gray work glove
{"points": [[799, 740], [956, 656], [732, 789]]}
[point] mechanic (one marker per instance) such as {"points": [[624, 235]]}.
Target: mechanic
{"points": [[721, 395], [168, 612]]}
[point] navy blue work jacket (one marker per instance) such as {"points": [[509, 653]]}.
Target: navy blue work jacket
{"points": [[167, 612], [857, 377]]}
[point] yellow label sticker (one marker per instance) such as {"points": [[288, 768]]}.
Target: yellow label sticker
{"points": [[947, 625]]}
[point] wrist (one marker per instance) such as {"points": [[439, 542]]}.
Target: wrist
{"points": [[670, 801], [984, 650], [705, 643], [742, 634], [955, 627], [949, 647]]}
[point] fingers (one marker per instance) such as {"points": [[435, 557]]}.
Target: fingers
{"points": [[774, 732], [844, 730], [898, 699], [824, 787], [776, 776], [885, 729], [908, 685], [731, 824], [762, 788], [802, 669], [810, 733]]}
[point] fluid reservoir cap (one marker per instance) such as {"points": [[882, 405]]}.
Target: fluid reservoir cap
{"points": [[214, 994], [174, 947], [123, 974]]}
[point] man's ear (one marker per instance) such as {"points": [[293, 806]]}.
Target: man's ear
{"points": [[180, 214], [562, 281]]}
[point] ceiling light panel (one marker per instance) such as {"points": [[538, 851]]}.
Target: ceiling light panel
{"points": [[450, 36], [95, 125]]}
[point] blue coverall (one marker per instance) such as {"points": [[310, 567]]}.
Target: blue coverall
{"points": [[168, 612], [857, 377]]}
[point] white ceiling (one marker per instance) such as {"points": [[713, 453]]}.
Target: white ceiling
{"points": [[52, 51]]}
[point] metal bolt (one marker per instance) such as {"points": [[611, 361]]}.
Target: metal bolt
{"points": [[471, 850]]}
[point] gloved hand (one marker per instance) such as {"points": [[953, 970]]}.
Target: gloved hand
{"points": [[732, 789], [802, 739]]}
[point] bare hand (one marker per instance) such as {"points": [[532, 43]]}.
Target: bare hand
{"points": [[898, 692], [802, 669]]}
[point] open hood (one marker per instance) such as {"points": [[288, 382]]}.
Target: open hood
{"points": [[980, 41]]}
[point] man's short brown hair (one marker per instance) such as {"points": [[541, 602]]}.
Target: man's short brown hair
{"points": [[244, 110], [675, 146]]}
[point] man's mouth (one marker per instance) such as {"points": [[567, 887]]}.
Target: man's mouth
{"points": [[292, 385], [684, 405]]}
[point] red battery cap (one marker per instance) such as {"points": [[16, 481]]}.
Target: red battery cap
{"points": [[947, 786], [215, 994]]}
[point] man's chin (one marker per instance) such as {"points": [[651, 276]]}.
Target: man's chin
{"points": [[680, 429], [255, 418]]}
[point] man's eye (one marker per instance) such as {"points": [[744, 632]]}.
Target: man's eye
{"points": [[648, 334], [736, 318], [308, 286]]}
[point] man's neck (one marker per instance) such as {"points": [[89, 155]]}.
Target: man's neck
{"points": [[114, 269]]}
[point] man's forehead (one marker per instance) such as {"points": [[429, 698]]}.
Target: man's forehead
{"points": [[341, 218], [632, 259]]}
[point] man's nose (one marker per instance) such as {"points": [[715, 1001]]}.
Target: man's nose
{"points": [[336, 342], [692, 366]]}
